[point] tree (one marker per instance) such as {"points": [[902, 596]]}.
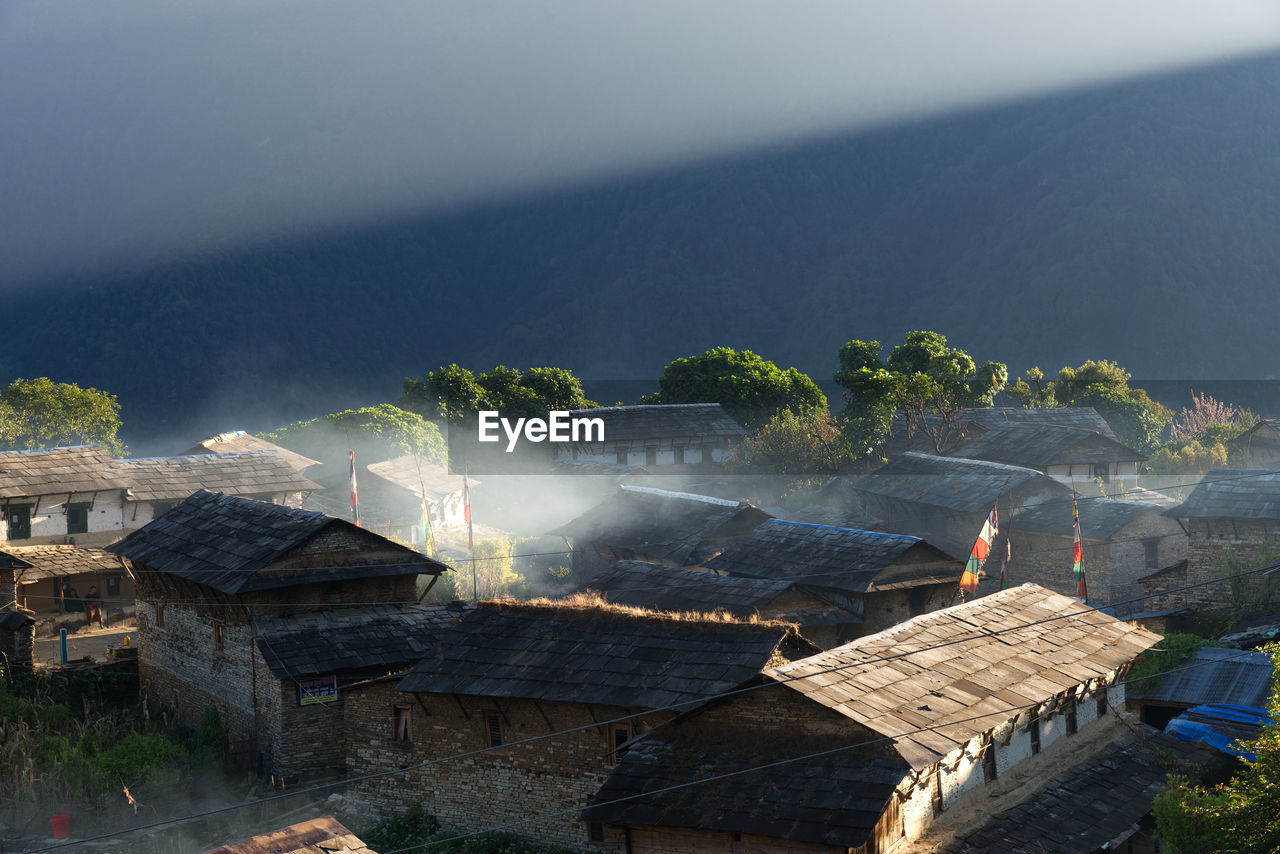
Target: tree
{"points": [[1241, 816], [1199, 436], [1138, 421], [807, 444], [930, 383], [751, 389], [375, 433], [41, 413], [453, 393]]}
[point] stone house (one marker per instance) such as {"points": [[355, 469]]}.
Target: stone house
{"points": [[939, 435], [654, 525], [221, 581], [692, 435], [542, 698], [655, 587], [17, 640], [1229, 513], [883, 739], [1076, 457], [1121, 542], [1233, 677], [1259, 446], [41, 579], [61, 495], [945, 500], [238, 441], [881, 579]]}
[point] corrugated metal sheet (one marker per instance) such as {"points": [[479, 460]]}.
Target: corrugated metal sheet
{"points": [[1233, 676]]}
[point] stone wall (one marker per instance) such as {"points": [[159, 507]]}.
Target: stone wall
{"points": [[509, 784], [1208, 539]]}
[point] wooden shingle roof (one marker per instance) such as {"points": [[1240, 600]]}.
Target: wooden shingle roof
{"points": [[659, 422], [1100, 518], [1036, 445], [992, 656], [237, 441], [222, 542], [671, 588], [611, 656], [386, 637], [661, 525], [51, 561], [249, 473], [833, 799], [952, 483], [1232, 494], [423, 479], [318, 836], [58, 471], [838, 558]]}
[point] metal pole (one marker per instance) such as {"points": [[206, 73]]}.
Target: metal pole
{"points": [[62, 644]]}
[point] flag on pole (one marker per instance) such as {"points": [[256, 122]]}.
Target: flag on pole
{"points": [[1004, 566], [355, 497], [977, 557], [466, 509], [1077, 556]]}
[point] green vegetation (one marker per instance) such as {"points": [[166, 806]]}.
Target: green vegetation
{"points": [[807, 444], [375, 433], [1171, 651], [1241, 816], [417, 828], [1198, 438], [751, 389], [41, 413], [453, 393], [928, 381]]}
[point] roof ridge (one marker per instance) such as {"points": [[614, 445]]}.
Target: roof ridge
{"points": [[877, 534]]}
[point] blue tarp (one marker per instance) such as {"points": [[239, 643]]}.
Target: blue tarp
{"points": [[1220, 726]]}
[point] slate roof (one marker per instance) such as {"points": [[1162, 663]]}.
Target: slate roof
{"points": [[839, 558], [1083, 808], [388, 637], [834, 799], [1232, 494], [1003, 651], [654, 423], [236, 441], [659, 587], [246, 473], [1265, 433], [1079, 417], [222, 541], [57, 471], [952, 483], [434, 481], [318, 836], [1232, 676], [660, 525], [58, 560], [838, 517], [545, 651], [1100, 518], [1036, 445], [13, 619]]}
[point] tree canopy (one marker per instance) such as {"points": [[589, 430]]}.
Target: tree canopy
{"points": [[375, 433], [453, 393], [1138, 421], [922, 377], [751, 389], [41, 413]]}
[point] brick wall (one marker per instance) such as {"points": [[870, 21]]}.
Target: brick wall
{"points": [[488, 789]]}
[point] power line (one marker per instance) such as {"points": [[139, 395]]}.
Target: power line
{"points": [[670, 707]]}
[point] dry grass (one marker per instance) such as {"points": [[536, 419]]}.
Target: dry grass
{"points": [[595, 603]]}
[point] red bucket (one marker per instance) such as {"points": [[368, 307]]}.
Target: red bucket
{"points": [[61, 825]]}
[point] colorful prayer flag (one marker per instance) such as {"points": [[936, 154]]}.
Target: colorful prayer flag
{"points": [[981, 547], [1004, 566], [1077, 556], [355, 497]]}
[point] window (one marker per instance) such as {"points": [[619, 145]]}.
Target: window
{"points": [[18, 517], [78, 517], [651, 457], [1033, 727], [113, 584], [1102, 703], [618, 736], [679, 456], [218, 644], [400, 731], [595, 832], [622, 458], [1151, 550], [989, 770], [159, 615], [1100, 470], [493, 728], [1071, 717]]}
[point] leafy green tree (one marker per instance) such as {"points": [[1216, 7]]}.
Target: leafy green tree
{"points": [[375, 433], [751, 389], [453, 393], [931, 383], [41, 413], [1241, 816], [1138, 421], [807, 444]]}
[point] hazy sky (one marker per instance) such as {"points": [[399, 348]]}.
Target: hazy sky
{"points": [[142, 128]]}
